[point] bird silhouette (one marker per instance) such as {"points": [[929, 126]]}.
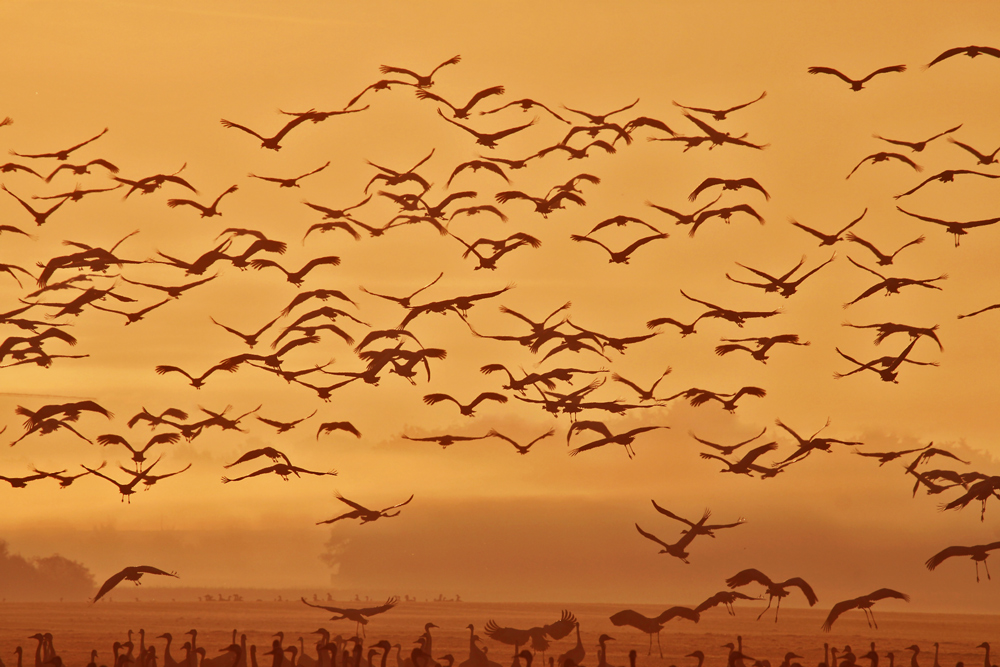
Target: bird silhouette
{"points": [[521, 449], [956, 228], [330, 427], [446, 440], [883, 259], [886, 329], [282, 470], [284, 427], [463, 111], [273, 143], [746, 465], [289, 182], [624, 439], [250, 339], [475, 166], [151, 184], [886, 457], [728, 184], [80, 169], [917, 146], [892, 285], [526, 104], [946, 176], [978, 553], [139, 455], [132, 573], [782, 284], [206, 211], [885, 157], [807, 445], [700, 527], [361, 512], [199, 382], [41, 217], [971, 51], [863, 603], [601, 119], [856, 85], [393, 177], [63, 155], [773, 589], [359, 616], [296, 277], [543, 205], [644, 394], [489, 140], [763, 343], [655, 624], [717, 137], [727, 450], [421, 81], [737, 317], [578, 153], [620, 256], [720, 114], [469, 409], [269, 452], [982, 158], [726, 598]]}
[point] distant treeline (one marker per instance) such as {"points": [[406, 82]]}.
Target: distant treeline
{"points": [[43, 579]]}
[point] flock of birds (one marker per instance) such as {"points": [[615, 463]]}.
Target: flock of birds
{"points": [[340, 651], [94, 279]]}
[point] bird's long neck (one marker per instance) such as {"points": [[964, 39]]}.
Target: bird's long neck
{"points": [[38, 654], [253, 655]]}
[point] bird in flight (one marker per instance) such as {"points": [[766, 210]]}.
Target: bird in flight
{"points": [[489, 140], [621, 256], [883, 258], [774, 589], [858, 84], [828, 239], [863, 603], [133, 573], [956, 228], [289, 182], [274, 143], [63, 155], [421, 81], [469, 409], [363, 513], [720, 114], [884, 157], [983, 158], [521, 449], [978, 553], [917, 146], [463, 111], [206, 211], [971, 51], [728, 184], [359, 616]]}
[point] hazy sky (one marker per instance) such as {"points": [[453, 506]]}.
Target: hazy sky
{"points": [[486, 522]]}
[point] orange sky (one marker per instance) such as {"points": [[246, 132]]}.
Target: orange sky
{"points": [[486, 522]]}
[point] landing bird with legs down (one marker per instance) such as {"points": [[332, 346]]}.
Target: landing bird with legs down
{"points": [[359, 616], [863, 603], [773, 589], [655, 624]]}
